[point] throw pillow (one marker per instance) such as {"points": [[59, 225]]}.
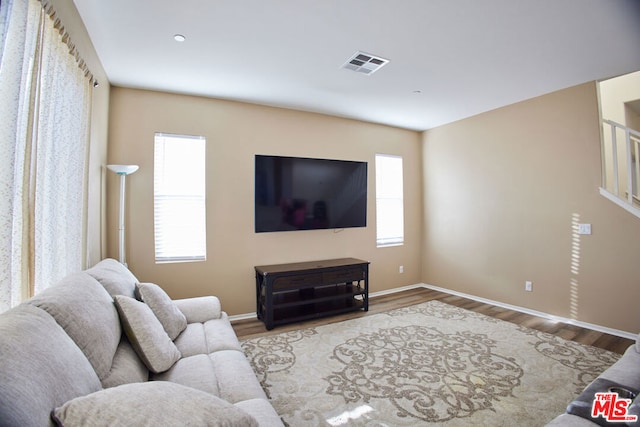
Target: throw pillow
{"points": [[172, 319], [151, 403], [146, 334]]}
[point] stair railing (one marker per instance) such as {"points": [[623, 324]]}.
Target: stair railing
{"points": [[628, 192]]}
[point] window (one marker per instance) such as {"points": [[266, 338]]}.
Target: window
{"points": [[179, 198], [389, 200]]}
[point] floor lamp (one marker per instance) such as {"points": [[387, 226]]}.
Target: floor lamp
{"points": [[123, 171]]}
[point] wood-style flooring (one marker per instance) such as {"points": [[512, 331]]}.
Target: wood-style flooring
{"points": [[251, 328]]}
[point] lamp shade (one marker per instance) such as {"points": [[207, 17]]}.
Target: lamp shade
{"points": [[123, 169]]}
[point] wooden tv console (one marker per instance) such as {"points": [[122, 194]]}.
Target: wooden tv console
{"points": [[288, 293]]}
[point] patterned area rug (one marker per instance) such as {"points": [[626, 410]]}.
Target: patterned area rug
{"points": [[427, 364]]}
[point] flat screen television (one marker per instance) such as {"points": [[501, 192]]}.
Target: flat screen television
{"points": [[296, 193]]}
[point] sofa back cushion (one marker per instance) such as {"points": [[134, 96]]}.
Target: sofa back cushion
{"points": [[127, 366], [115, 277], [40, 367], [86, 312], [172, 319]]}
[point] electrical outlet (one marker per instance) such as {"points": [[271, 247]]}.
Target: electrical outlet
{"points": [[401, 269], [528, 286]]}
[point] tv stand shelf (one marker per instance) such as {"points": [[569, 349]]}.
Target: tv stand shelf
{"points": [[287, 293]]}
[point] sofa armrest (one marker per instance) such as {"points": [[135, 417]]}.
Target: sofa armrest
{"points": [[199, 309]]}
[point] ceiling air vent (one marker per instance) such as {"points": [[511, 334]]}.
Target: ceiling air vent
{"points": [[364, 63]]}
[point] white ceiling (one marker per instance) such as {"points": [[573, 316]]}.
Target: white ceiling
{"points": [[463, 56]]}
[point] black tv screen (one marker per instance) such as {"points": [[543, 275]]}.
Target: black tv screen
{"points": [[294, 193]]}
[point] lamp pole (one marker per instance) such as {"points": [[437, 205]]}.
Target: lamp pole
{"points": [[123, 171]]}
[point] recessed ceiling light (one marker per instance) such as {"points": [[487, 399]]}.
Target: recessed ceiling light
{"points": [[179, 38]]}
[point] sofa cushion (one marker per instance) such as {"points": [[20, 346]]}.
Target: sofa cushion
{"points": [[115, 277], [236, 379], [40, 367], [192, 340], [146, 334], [196, 372], [85, 311], [152, 403], [262, 411], [172, 319], [220, 335], [208, 337], [226, 373], [127, 366]]}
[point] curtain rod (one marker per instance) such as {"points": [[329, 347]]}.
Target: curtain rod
{"points": [[66, 39]]}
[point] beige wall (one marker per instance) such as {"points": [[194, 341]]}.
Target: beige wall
{"points": [[615, 93], [235, 132], [503, 192], [72, 22]]}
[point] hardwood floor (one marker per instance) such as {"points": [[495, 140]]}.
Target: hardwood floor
{"points": [[252, 328]]}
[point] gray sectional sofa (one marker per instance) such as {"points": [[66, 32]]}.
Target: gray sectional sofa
{"points": [[622, 377], [99, 348]]}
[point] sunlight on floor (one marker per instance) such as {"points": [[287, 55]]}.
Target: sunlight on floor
{"points": [[344, 418], [575, 267]]}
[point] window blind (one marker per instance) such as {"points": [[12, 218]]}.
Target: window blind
{"points": [[389, 200], [179, 198]]}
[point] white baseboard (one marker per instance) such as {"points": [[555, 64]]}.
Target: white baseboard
{"points": [[245, 316], [394, 290], [603, 329]]}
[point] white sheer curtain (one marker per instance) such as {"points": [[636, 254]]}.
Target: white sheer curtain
{"points": [[44, 129]]}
